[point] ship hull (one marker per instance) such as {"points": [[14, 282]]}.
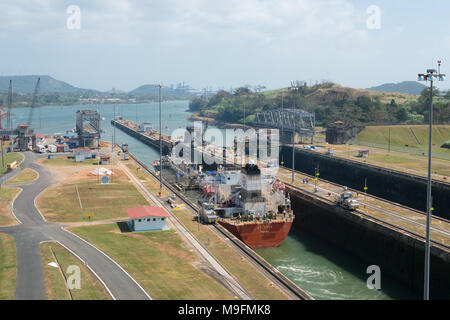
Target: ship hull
{"points": [[259, 235]]}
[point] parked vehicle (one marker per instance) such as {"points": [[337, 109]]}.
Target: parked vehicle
{"points": [[346, 200], [207, 213]]}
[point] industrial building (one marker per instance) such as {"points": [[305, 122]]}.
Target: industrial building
{"points": [[88, 128]]}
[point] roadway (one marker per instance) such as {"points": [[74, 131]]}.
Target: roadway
{"points": [[33, 229]]}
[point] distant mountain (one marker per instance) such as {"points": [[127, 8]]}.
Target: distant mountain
{"points": [[152, 90], [409, 87], [147, 89], [26, 85]]}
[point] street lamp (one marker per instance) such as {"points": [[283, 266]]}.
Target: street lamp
{"points": [[159, 86], [293, 137], [430, 75]]}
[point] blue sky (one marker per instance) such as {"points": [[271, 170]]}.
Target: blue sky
{"points": [[223, 43]]}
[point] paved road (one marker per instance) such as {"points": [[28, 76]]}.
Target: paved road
{"points": [[33, 229]]}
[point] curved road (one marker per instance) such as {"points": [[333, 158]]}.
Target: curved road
{"points": [[33, 229]]}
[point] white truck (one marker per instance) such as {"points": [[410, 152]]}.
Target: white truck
{"points": [[40, 148], [346, 200], [52, 148]]}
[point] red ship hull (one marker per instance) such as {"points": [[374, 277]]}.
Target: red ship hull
{"points": [[259, 235]]}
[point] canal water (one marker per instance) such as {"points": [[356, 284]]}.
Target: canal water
{"points": [[322, 270]]}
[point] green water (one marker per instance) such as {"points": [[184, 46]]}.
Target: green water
{"points": [[328, 273]]}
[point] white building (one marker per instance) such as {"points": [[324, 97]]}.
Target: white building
{"points": [[147, 218]]}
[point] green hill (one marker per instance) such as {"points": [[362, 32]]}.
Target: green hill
{"points": [[409, 87], [26, 85]]}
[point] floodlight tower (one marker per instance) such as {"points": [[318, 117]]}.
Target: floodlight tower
{"points": [[430, 75]]}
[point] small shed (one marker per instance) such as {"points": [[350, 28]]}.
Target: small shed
{"points": [[62, 148], [82, 153], [104, 159], [363, 153], [147, 218]]}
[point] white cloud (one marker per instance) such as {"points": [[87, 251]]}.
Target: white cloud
{"points": [[134, 22]]}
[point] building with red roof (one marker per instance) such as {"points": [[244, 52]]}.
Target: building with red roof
{"points": [[147, 218]]}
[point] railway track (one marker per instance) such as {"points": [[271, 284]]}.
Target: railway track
{"points": [[380, 221], [369, 195], [286, 285]]}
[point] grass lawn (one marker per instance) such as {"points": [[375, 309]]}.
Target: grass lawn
{"points": [[402, 137], [6, 196], [8, 267], [157, 260], [257, 284], [64, 161], [61, 204], [27, 175], [9, 158], [149, 182], [251, 279], [90, 288]]}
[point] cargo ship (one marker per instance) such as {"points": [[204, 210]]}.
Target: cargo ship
{"points": [[253, 207]]}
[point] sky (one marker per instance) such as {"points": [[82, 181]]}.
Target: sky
{"points": [[223, 44]]}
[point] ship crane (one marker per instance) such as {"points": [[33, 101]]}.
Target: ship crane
{"points": [[23, 132]]}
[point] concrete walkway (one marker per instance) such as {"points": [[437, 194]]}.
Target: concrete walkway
{"points": [[33, 229]]}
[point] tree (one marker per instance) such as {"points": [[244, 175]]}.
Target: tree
{"points": [[424, 99], [241, 91], [196, 104], [401, 115], [447, 95]]}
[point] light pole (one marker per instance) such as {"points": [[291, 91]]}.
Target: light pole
{"points": [[160, 140], [293, 138], [430, 75]]}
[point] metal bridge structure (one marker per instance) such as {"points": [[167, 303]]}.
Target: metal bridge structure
{"points": [[293, 123], [88, 128]]}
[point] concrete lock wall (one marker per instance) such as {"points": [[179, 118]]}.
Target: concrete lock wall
{"points": [[399, 256], [397, 187]]}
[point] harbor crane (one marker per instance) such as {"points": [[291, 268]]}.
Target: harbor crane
{"points": [[23, 132]]}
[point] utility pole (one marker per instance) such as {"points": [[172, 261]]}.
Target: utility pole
{"points": [[3, 158], [293, 151], [282, 123], [389, 144], [365, 191], [429, 76], [160, 141], [293, 137], [114, 129], [316, 178]]}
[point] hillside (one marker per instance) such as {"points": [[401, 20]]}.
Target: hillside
{"points": [[151, 90], [408, 87], [412, 139], [330, 102], [26, 85], [324, 96]]}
